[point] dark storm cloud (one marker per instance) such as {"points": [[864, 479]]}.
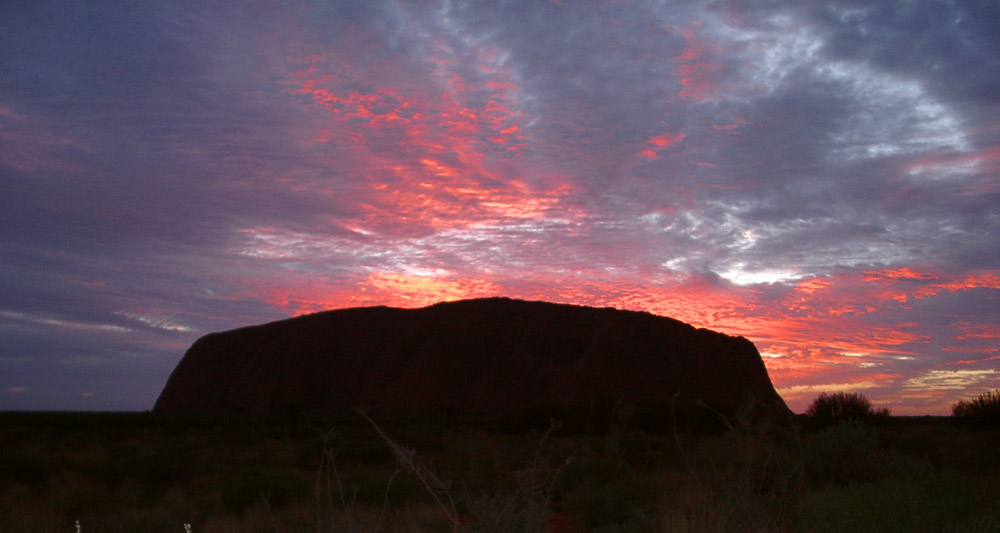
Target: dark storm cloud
{"points": [[947, 44]]}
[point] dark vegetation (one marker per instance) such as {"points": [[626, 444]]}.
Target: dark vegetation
{"points": [[981, 411], [839, 407], [141, 472]]}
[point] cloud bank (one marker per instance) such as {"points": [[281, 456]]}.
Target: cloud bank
{"points": [[823, 179]]}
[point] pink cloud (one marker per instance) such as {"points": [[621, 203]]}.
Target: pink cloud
{"points": [[660, 142], [698, 75]]}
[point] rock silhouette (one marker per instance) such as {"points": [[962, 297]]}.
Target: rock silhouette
{"points": [[488, 359]]}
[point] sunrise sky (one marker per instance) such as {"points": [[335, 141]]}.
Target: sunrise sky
{"points": [[820, 177]]}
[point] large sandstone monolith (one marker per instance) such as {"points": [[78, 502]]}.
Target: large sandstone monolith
{"points": [[488, 359]]}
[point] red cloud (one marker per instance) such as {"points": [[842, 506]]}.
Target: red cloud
{"points": [[446, 165], [659, 142]]}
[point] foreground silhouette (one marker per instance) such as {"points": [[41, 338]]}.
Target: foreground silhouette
{"points": [[490, 359]]}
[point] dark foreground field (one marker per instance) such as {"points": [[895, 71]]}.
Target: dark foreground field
{"points": [[64, 472]]}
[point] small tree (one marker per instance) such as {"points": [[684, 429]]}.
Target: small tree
{"points": [[829, 409], [984, 410]]}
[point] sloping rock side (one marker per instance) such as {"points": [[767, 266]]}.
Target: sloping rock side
{"points": [[492, 359]]}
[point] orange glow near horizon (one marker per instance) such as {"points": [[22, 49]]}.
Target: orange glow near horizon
{"points": [[806, 351]]}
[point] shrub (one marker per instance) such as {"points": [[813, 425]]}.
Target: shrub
{"points": [[829, 409], [983, 410]]}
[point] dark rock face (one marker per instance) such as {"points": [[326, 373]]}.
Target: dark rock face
{"points": [[476, 359]]}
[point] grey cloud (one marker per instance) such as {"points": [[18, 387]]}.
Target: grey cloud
{"points": [[152, 154], [950, 45]]}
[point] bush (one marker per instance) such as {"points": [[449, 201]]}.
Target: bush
{"points": [[829, 409], [983, 410]]}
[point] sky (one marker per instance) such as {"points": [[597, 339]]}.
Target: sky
{"points": [[821, 177]]}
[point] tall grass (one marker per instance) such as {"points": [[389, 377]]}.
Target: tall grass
{"points": [[368, 477], [524, 506], [751, 483], [407, 459]]}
